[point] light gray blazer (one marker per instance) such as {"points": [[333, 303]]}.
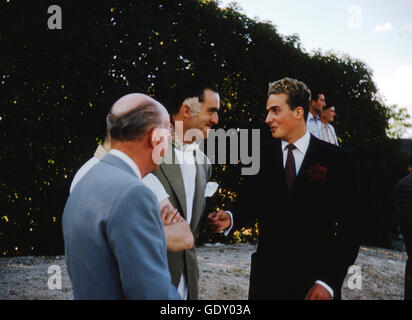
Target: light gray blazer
{"points": [[113, 236]]}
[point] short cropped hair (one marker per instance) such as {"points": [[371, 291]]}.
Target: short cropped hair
{"points": [[298, 93], [187, 87], [134, 124], [315, 94]]}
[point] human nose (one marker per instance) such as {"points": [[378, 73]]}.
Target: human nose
{"points": [[215, 118], [268, 119]]}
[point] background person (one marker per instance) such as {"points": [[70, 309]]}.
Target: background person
{"points": [[327, 130], [403, 206], [313, 123]]}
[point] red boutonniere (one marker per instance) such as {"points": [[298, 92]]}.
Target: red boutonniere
{"points": [[317, 173]]}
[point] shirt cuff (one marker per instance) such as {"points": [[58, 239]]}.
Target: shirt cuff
{"points": [[227, 231], [326, 287]]}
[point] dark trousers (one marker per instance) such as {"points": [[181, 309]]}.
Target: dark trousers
{"points": [[406, 228], [408, 280]]}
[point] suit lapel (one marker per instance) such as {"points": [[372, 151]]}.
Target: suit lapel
{"points": [[278, 161], [308, 160], [198, 201], [174, 175]]}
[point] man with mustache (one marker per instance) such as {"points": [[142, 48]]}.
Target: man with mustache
{"points": [[193, 105]]}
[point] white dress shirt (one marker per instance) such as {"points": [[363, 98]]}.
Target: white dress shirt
{"points": [[185, 157], [329, 134], [299, 154], [153, 183], [149, 180]]}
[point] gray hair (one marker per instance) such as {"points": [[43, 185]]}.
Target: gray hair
{"points": [[135, 123], [194, 105]]}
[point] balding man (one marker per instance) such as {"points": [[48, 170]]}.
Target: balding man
{"points": [[177, 231], [114, 241]]}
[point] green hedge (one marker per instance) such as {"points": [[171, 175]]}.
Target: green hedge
{"points": [[51, 83]]}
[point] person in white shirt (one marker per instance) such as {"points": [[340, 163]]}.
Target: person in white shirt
{"points": [[313, 244], [193, 104], [149, 180], [328, 133]]}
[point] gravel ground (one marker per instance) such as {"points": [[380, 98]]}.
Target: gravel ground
{"points": [[224, 275]]}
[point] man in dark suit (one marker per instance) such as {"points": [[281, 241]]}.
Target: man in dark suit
{"points": [[403, 206], [305, 247]]}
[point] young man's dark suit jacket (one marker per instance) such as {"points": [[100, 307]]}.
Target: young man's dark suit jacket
{"points": [[307, 234]]}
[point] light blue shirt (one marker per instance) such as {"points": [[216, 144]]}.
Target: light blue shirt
{"points": [[313, 125]]}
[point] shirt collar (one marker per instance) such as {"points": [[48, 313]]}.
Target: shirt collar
{"points": [[302, 144], [184, 147], [128, 160], [310, 117], [100, 152], [180, 145], [189, 147]]}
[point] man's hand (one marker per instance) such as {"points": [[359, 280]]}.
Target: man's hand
{"points": [[178, 236], [170, 215], [218, 221], [318, 292]]}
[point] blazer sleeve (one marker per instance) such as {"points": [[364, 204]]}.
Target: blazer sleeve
{"points": [[345, 235], [135, 235]]}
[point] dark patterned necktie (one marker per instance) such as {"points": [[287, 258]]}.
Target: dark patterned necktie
{"points": [[290, 167]]}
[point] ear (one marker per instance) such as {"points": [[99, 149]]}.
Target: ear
{"points": [[300, 113], [187, 113], [151, 140]]}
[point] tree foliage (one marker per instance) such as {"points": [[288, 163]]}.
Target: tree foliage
{"points": [[52, 115]]}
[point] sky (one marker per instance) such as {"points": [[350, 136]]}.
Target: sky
{"points": [[378, 32]]}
